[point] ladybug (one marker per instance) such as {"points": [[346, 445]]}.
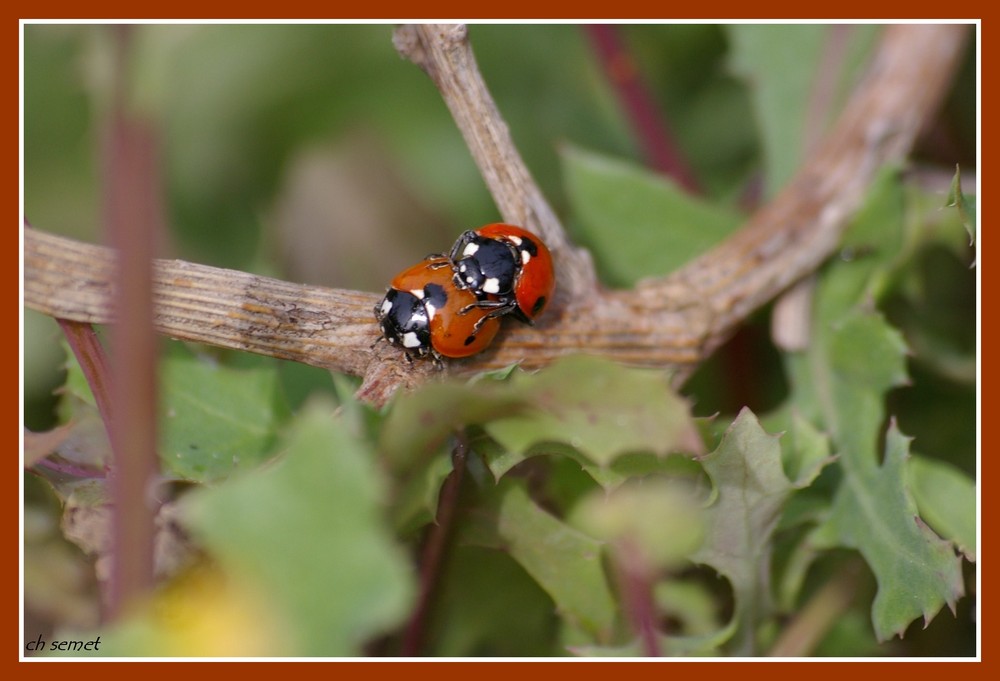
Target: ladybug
{"points": [[425, 313], [508, 268]]}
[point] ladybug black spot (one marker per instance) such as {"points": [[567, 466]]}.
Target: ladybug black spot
{"points": [[537, 307], [528, 245], [435, 295]]}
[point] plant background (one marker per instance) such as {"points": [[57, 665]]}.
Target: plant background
{"points": [[316, 154]]}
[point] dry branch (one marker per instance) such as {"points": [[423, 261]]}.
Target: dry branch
{"points": [[671, 322]]}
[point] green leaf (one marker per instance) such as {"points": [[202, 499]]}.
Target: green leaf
{"points": [[966, 205], [637, 223], [692, 605], [782, 67], [565, 562], [697, 645], [871, 250], [213, 419], [599, 408], [946, 499], [475, 618], [750, 489], [917, 572], [310, 532], [418, 498], [805, 451], [855, 357], [216, 420], [419, 423], [657, 517]]}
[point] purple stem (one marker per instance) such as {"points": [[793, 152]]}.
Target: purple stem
{"points": [[90, 355], [648, 123], [434, 550], [133, 213], [635, 580]]}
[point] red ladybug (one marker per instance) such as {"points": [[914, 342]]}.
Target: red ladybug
{"points": [[425, 313], [508, 268]]}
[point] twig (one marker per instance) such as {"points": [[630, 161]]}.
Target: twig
{"points": [[670, 322], [443, 52]]}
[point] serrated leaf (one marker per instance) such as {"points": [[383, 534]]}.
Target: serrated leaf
{"points": [[917, 572], [420, 423], [500, 460], [310, 532], [750, 491], [946, 499], [808, 452], [565, 562], [638, 223], [966, 205], [597, 407], [854, 359]]}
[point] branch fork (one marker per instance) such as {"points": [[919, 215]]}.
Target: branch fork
{"points": [[671, 322]]}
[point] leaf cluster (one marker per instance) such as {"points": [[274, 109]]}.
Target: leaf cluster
{"points": [[292, 519]]}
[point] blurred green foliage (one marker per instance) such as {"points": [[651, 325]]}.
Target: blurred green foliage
{"points": [[315, 153]]}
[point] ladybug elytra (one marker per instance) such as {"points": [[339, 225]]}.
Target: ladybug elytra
{"points": [[508, 268], [425, 313]]}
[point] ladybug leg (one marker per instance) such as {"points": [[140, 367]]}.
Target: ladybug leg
{"points": [[499, 310], [460, 243], [437, 361], [378, 316], [493, 305], [518, 314], [478, 325]]}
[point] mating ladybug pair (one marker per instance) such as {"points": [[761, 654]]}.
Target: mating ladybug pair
{"points": [[450, 305]]}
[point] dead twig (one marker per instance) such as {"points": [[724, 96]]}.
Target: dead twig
{"points": [[671, 322]]}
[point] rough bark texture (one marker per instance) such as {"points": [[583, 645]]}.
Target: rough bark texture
{"points": [[670, 322]]}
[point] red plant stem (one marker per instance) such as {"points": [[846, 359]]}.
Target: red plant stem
{"points": [[635, 581], [90, 355], [648, 123], [434, 549], [132, 210]]}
